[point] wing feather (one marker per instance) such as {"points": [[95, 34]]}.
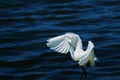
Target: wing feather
{"points": [[60, 49], [54, 43], [57, 46], [62, 43], [64, 48]]}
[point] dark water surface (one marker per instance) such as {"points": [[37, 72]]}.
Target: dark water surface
{"points": [[25, 25]]}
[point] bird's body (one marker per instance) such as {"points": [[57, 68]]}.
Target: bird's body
{"points": [[72, 43]]}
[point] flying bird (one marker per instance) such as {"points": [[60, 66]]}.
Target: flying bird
{"points": [[72, 43]]}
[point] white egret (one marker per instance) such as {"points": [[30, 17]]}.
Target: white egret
{"points": [[72, 43]]}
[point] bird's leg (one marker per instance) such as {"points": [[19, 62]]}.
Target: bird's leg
{"points": [[84, 73]]}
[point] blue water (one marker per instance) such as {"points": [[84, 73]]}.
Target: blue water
{"points": [[25, 25]]}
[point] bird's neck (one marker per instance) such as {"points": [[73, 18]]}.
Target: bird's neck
{"points": [[79, 45]]}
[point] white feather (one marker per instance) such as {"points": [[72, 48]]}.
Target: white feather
{"points": [[72, 43], [62, 43]]}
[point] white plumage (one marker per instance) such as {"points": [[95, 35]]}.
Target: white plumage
{"points": [[72, 43]]}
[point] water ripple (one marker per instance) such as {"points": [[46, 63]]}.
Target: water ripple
{"points": [[26, 25]]}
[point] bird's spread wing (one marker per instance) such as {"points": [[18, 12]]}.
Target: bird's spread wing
{"points": [[62, 43]]}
